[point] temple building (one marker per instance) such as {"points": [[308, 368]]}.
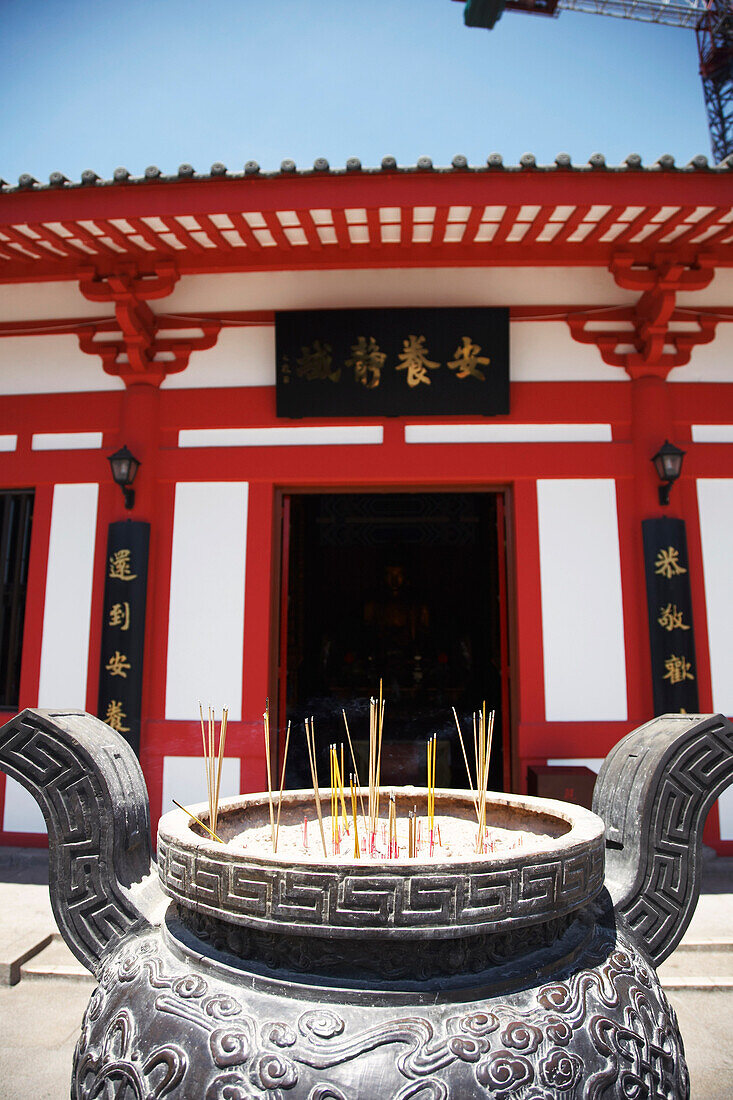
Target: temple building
{"points": [[467, 432]]}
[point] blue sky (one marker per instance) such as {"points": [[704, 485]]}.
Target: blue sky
{"points": [[137, 82]]}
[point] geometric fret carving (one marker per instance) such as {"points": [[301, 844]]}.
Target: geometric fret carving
{"points": [[89, 785], [654, 792], [518, 889]]}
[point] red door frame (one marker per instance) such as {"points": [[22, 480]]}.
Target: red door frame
{"points": [[507, 610]]}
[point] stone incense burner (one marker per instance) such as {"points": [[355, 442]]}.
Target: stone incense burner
{"points": [[227, 973]]}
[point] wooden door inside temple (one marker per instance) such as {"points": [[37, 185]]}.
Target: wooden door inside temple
{"points": [[406, 588]]}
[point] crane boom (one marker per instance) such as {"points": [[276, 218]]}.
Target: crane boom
{"points": [[712, 21]]}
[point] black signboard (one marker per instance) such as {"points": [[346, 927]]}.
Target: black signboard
{"points": [[392, 362], [123, 628], [671, 633]]}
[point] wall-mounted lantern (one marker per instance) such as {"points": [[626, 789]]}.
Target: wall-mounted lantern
{"points": [[124, 467], [668, 463]]}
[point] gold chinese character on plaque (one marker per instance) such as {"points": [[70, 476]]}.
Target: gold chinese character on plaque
{"points": [[367, 361], [119, 615], [119, 566], [678, 670], [468, 359], [114, 716], [414, 359], [117, 664], [670, 618], [667, 563], [315, 363], [285, 369]]}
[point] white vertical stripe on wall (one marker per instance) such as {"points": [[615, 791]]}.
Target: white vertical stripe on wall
{"points": [[22, 813], [725, 814], [206, 617], [68, 605], [582, 616], [715, 505]]}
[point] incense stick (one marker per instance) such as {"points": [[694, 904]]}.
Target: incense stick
{"points": [[356, 771], [465, 760], [222, 742], [266, 718], [282, 785], [197, 820], [310, 739]]}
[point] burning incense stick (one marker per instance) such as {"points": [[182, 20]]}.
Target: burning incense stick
{"points": [[222, 742], [266, 726], [282, 785], [356, 771], [213, 760], [357, 851], [197, 820], [310, 740], [465, 760]]}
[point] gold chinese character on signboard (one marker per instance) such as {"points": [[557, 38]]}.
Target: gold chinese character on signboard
{"points": [[316, 361], [367, 361], [117, 664], [114, 716], [285, 369], [670, 618], [667, 563], [119, 566], [414, 359], [119, 615], [678, 670], [467, 360]]}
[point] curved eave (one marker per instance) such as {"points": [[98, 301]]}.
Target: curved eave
{"points": [[366, 219]]}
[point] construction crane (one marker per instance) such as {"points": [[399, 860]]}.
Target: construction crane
{"points": [[711, 20]]}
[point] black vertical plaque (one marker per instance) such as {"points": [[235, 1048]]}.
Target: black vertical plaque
{"points": [[669, 602], [123, 628]]}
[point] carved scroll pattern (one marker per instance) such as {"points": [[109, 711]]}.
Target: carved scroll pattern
{"points": [[607, 1030], [89, 785]]}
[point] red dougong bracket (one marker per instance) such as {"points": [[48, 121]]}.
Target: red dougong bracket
{"points": [[657, 348], [142, 354]]}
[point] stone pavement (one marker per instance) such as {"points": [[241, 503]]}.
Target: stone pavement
{"points": [[43, 990]]}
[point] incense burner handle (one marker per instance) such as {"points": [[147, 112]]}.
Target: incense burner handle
{"points": [[89, 785], [653, 792]]}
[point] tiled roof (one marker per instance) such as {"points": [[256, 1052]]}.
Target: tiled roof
{"points": [[224, 221], [321, 167]]}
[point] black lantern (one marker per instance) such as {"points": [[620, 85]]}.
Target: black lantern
{"points": [[668, 463], [124, 467]]}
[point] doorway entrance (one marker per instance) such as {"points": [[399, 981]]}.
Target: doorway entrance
{"points": [[409, 588]]}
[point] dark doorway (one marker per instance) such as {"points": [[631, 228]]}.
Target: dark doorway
{"points": [[406, 587]]}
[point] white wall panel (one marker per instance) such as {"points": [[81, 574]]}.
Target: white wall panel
{"points": [[185, 780], [508, 433], [582, 616], [67, 609], [206, 617], [712, 433], [242, 356], [66, 441], [41, 301], [711, 362], [22, 813], [385, 287], [544, 351], [715, 505], [319, 435], [51, 364], [8, 442], [592, 762]]}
